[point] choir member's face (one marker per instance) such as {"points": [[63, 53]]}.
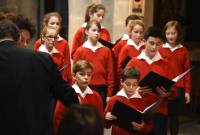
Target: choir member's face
{"points": [[83, 78], [130, 85], [93, 33], [151, 47], [171, 35], [25, 38], [54, 23], [137, 33], [50, 38], [98, 16]]}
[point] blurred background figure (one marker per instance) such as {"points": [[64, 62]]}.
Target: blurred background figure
{"points": [[26, 27], [53, 20], [81, 119]]}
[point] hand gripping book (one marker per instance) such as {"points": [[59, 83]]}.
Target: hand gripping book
{"points": [[126, 114], [154, 80]]}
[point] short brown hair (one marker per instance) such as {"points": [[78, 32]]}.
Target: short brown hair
{"points": [[131, 73], [137, 22], [89, 24], [131, 17], [49, 15], [81, 65]]}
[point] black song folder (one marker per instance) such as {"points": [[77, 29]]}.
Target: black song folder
{"points": [[154, 80], [126, 114], [125, 62], [106, 43]]}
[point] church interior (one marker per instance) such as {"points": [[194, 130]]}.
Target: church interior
{"points": [[153, 12]]}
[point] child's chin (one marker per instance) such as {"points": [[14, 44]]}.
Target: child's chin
{"points": [[85, 84], [130, 93]]}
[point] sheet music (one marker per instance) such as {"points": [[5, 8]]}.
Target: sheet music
{"points": [[148, 107], [176, 79]]}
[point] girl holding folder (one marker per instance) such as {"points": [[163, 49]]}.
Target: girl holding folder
{"points": [[177, 55]]}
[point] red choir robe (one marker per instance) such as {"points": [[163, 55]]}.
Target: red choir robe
{"points": [[135, 101], [119, 45], [80, 37], [61, 57], [87, 97], [158, 65], [101, 59], [131, 49], [178, 56]]}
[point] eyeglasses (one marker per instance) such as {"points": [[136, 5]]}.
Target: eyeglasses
{"points": [[52, 37]]}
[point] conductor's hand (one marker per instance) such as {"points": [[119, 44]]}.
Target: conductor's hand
{"points": [[137, 126], [187, 98], [163, 93], [109, 116]]}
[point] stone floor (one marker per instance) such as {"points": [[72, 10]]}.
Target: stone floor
{"points": [[190, 126]]}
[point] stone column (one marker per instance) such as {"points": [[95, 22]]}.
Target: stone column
{"points": [[120, 12], [148, 14], [77, 10]]}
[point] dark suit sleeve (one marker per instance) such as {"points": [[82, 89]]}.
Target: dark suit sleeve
{"points": [[61, 89]]}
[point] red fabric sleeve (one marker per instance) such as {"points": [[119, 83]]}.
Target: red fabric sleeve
{"points": [[37, 44], [77, 41], [59, 112]]}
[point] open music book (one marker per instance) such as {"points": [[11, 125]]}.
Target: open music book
{"points": [[126, 114], [154, 80]]}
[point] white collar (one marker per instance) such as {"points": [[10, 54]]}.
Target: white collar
{"points": [[82, 94], [143, 55], [167, 45], [42, 48], [123, 94], [89, 45], [125, 37], [85, 24], [132, 43], [59, 38]]}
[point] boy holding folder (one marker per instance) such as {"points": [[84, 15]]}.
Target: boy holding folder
{"points": [[130, 96], [151, 60]]}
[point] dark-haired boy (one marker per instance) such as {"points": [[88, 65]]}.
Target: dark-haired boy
{"points": [[151, 60], [129, 95]]}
